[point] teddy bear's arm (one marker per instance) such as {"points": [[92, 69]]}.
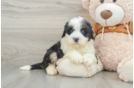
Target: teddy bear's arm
{"points": [[89, 59], [66, 67]]}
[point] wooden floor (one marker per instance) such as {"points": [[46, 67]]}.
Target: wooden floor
{"points": [[29, 27], [12, 77]]}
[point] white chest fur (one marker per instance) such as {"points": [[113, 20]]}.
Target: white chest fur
{"points": [[79, 53], [82, 49]]}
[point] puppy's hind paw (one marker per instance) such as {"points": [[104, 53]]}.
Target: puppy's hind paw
{"points": [[51, 70]]}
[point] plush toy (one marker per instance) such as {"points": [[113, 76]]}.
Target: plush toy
{"points": [[113, 40]]}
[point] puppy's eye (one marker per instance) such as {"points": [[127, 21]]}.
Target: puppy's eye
{"points": [[102, 1], [70, 30], [114, 0], [83, 31]]}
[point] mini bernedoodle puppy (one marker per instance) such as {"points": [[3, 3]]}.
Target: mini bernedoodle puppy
{"points": [[76, 44]]}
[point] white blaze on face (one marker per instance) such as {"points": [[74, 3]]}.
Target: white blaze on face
{"points": [[76, 24], [116, 18]]}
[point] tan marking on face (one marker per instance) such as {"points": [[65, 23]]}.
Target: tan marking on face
{"points": [[83, 26], [71, 26]]}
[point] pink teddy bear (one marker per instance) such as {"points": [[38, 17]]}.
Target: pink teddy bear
{"points": [[113, 40]]}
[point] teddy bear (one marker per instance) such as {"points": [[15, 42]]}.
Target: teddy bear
{"points": [[113, 40]]}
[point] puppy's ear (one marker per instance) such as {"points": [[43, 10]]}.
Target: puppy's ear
{"points": [[65, 30], [91, 33]]}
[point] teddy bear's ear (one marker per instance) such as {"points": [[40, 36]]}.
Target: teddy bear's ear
{"points": [[86, 4]]}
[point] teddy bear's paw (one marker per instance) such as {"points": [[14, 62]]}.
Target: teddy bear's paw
{"points": [[88, 61], [126, 73], [123, 78], [59, 61], [51, 70], [77, 59]]}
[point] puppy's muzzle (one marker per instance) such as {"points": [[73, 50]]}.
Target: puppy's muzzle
{"points": [[76, 40]]}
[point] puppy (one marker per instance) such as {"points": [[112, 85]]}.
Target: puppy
{"points": [[76, 44]]}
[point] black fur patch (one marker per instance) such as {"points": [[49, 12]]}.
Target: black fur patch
{"points": [[67, 29], [36, 66], [55, 48], [87, 30], [46, 60]]}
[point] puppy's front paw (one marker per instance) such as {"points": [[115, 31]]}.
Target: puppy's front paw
{"points": [[51, 70], [76, 58], [88, 61]]}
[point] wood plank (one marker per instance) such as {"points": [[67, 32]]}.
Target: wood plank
{"points": [[102, 79], [12, 77], [25, 46], [41, 13], [28, 79]]}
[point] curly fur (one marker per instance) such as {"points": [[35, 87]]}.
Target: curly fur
{"points": [[114, 48]]}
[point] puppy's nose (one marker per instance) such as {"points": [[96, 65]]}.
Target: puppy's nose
{"points": [[105, 14], [76, 39]]}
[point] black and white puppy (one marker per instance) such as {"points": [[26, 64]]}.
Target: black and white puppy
{"points": [[76, 44]]}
